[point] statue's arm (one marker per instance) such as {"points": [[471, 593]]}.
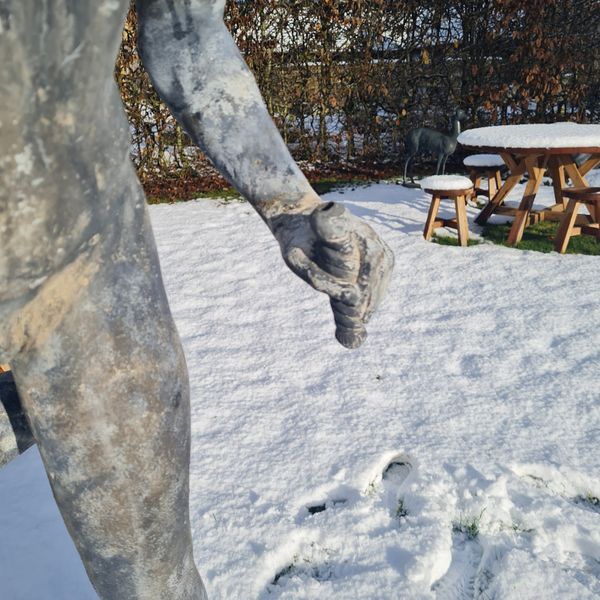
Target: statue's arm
{"points": [[198, 71], [200, 74]]}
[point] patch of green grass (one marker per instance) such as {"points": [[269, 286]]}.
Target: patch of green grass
{"points": [[156, 200], [401, 510], [540, 238], [589, 500], [468, 526], [518, 528], [322, 186], [333, 184], [447, 240], [227, 195], [316, 565], [371, 489]]}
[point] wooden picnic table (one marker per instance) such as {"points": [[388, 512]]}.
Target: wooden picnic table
{"points": [[535, 150]]}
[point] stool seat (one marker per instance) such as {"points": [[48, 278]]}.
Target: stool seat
{"points": [[484, 161], [590, 196], [485, 166], [447, 183], [448, 187]]}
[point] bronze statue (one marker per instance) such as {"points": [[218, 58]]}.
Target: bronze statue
{"points": [[84, 319]]}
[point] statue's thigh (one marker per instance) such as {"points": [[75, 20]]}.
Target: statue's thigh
{"points": [[65, 176]]}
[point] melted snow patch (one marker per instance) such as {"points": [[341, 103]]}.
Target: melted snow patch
{"points": [[108, 7], [24, 161]]}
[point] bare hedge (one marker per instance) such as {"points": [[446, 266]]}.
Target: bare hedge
{"points": [[346, 79]]}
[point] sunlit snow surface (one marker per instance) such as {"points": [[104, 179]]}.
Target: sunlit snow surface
{"points": [[535, 135], [479, 380]]}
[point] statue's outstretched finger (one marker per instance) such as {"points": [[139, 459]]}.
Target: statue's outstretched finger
{"points": [[350, 329], [336, 289]]}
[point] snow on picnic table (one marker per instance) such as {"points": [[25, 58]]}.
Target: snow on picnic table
{"points": [[536, 135], [481, 371]]}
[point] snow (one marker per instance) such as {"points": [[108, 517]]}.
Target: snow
{"points": [[555, 135], [480, 372], [446, 182], [483, 160]]}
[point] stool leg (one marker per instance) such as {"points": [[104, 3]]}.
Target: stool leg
{"points": [[430, 223], [462, 225], [476, 179], [566, 227], [498, 178], [492, 187]]}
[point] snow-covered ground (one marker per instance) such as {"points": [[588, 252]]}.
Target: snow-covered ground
{"points": [[479, 384]]}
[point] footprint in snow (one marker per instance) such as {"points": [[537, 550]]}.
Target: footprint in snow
{"points": [[319, 507], [460, 581], [315, 562], [334, 499], [588, 501], [397, 471], [393, 478]]}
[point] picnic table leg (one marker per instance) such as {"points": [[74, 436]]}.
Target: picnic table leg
{"points": [[574, 174], [536, 169], [589, 164], [490, 208], [565, 230], [516, 169], [557, 172]]}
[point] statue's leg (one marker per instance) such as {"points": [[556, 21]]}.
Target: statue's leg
{"points": [[439, 164], [406, 164], [84, 320], [106, 391]]}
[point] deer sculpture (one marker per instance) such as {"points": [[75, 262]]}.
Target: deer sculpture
{"points": [[423, 140]]}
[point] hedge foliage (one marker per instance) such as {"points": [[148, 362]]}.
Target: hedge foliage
{"points": [[346, 79]]}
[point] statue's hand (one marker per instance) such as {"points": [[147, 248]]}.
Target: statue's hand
{"points": [[342, 256]]}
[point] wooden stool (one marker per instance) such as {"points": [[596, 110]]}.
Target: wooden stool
{"points": [[485, 166], [589, 196], [448, 187]]}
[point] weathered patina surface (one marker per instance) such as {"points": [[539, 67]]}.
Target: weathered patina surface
{"points": [[84, 319]]}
